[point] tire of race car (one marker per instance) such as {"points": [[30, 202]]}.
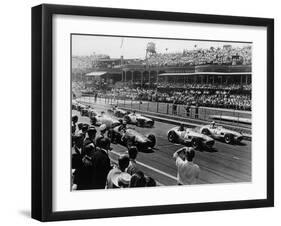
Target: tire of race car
{"points": [[228, 138], [150, 124], [139, 123], [206, 132], [152, 138], [172, 137], [195, 143]]}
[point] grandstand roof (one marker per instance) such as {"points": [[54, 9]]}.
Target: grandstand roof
{"points": [[206, 73], [95, 73]]}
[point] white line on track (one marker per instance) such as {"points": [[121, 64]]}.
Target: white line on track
{"points": [[151, 168]]}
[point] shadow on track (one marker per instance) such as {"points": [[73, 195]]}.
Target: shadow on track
{"points": [[211, 150]]}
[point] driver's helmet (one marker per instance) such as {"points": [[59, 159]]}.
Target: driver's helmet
{"points": [[181, 128], [213, 123]]}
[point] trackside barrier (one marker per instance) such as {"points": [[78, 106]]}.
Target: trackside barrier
{"points": [[231, 116], [233, 119]]}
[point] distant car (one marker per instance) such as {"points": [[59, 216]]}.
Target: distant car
{"points": [[139, 120], [80, 106], [221, 133], [190, 137], [86, 111], [92, 112], [120, 113], [108, 120], [132, 137]]}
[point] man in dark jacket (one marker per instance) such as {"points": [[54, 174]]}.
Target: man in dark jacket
{"points": [[94, 168], [101, 163]]}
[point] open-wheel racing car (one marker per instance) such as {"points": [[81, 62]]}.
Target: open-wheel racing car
{"points": [[80, 106], [139, 120], [118, 112], [221, 133], [88, 111], [130, 137], [108, 120], [189, 137]]}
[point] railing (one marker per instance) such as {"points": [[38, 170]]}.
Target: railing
{"points": [[235, 117]]}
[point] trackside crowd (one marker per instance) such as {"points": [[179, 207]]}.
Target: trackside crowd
{"points": [[92, 167]]}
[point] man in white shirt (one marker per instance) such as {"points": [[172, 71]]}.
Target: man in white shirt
{"points": [[188, 172]]}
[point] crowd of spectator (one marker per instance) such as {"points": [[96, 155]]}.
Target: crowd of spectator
{"points": [[92, 167], [226, 55], [200, 96], [182, 85]]}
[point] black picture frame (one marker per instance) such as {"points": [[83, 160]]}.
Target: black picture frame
{"points": [[42, 111]]}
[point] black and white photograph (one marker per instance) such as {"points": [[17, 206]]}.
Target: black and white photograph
{"points": [[151, 112]]}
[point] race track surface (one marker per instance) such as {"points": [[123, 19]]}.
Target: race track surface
{"points": [[226, 163]]}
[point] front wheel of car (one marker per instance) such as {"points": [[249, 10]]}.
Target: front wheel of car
{"points": [[150, 124], [152, 138], [195, 143], [228, 138], [172, 137]]}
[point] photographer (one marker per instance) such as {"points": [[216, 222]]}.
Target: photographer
{"points": [[188, 172]]}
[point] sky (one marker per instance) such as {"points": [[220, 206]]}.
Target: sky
{"points": [[86, 45]]}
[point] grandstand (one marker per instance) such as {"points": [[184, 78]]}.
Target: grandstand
{"points": [[214, 77]]}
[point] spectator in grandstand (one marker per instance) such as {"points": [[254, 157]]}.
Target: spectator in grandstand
{"points": [[196, 110], [174, 106], [132, 168], [188, 172], [187, 109], [117, 177], [204, 95], [137, 180]]}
